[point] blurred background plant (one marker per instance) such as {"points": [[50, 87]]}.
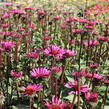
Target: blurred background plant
{"points": [[62, 4]]}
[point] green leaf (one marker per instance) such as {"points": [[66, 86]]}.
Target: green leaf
{"points": [[69, 97]]}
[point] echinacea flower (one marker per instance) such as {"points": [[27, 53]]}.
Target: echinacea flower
{"points": [[76, 31], [91, 43], [17, 36], [84, 21], [25, 34], [64, 26], [67, 13], [106, 81], [81, 74], [41, 12], [16, 75], [56, 104], [71, 41], [103, 39], [91, 23], [64, 53], [71, 20], [96, 78], [7, 34], [32, 55], [31, 89], [5, 25], [89, 27], [29, 8], [91, 97], [47, 38], [18, 12], [67, 106], [32, 26], [74, 87], [57, 18], [56, 71], [94, 66], [40, 73], [8, 4], [5, 16], [94, 75], [52, 50], [7, 46]]}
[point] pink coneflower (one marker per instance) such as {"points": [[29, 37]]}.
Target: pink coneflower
{"points": [[17, 36], [7, 46], [5, 16], [97, 79], [8, 4], [57, 18], [18, 12], [91, 23], [83, 88], [32, 26], [52, 50], [32, 55], [1, 49], [45, 33], [25, 34], [7, 34], [76, 74], [31, 89], [95, 33], [47, 38], [56, 104], [67, 53], [56, 69], [63, 53], [41, 12], [106, 81], [91, 43], [38, 50], [1, 32], [16, 75], [21, 30], [71, 20], [89, 27], [67, 13], [76, 31], [94, 66], [97, 14], [64, 26], [40, 73], [97, 76], [88, 75], [67, 106], [103, 39], [84, 21], [5, 25], [91, 97], [71, 41], [29, 8]]}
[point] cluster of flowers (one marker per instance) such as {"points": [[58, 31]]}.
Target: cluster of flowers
{"points": [[41, 51]]}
